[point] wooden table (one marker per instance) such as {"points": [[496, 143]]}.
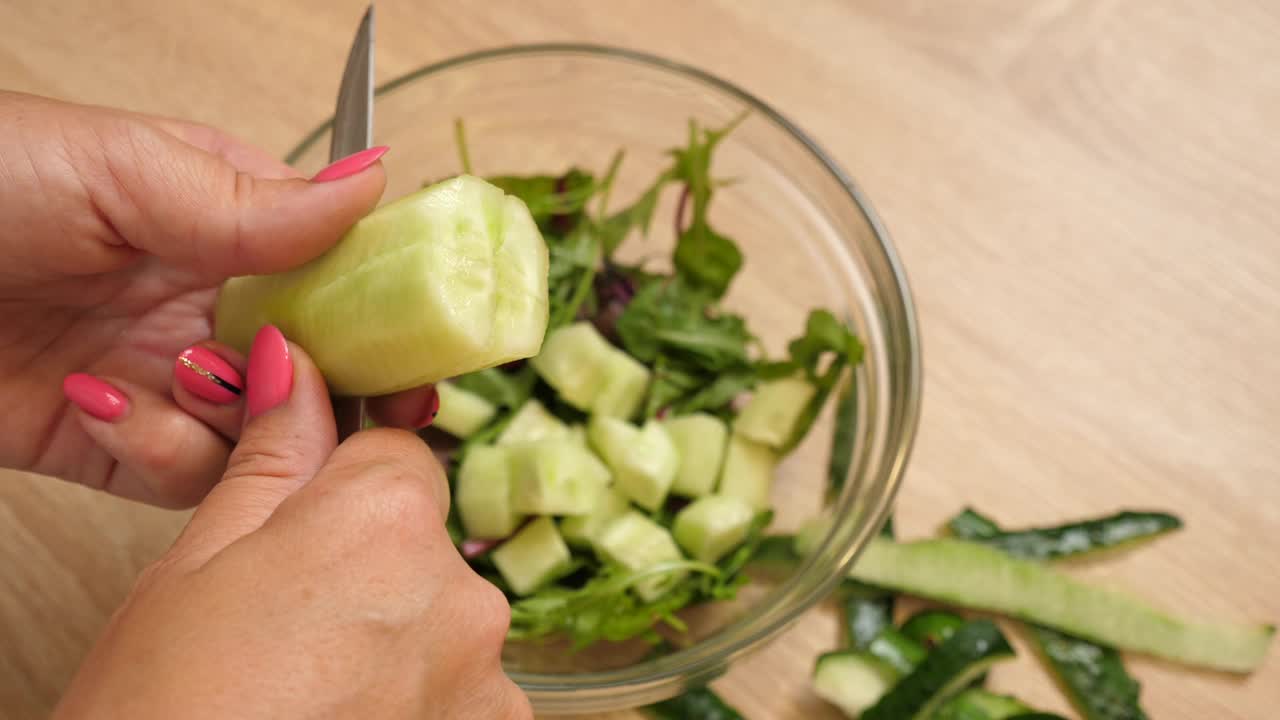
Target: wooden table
{"points": [[1085, 193]]}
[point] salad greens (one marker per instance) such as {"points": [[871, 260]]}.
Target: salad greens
{"points": [[683, 354]]}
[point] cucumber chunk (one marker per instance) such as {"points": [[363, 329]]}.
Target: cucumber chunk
{"points": [[943, 673], [556, 477], [581, 530], [974, 576], [622, 388], [446, 281], [770, 416], [483, 493], [533, 557], [531, 423], [852, 680], [711, 526], [636, 543], [643, 460], [462, 412], [700, 441], [748, 471], [573, 361]]}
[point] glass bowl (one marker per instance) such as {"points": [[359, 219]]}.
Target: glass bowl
{"points": [[810, 239]]}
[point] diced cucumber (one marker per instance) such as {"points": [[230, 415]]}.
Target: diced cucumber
{"points": [[770, 416], [533, 557], [711, 526], [643, 460], [897, 650], [556, 477], [573, 360], [483, 493], [700, 441], [622, 388], [748, 471], [851, 680], [531, 423], [975, 576], [448, 280], [943, 673], [637, 543], [578, 434], [581, 530], [461, 412], [977, 704]]}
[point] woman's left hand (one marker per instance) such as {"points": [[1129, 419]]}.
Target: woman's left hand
{"points": [[118, 229]]}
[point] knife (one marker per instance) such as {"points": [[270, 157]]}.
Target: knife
{"points": [[353, 132]]}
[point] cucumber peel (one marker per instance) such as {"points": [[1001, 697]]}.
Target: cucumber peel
{"points": [[974, 576], [442, 282]]}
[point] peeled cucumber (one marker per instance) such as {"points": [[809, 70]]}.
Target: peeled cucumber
{"points": [[700, 441], [770, 416], [637, 543], [582, 530], [556, 477], [748, 471], [622, 387], [531, 423], [533, 557], [462, 412], [446, 281], [483, 493], [711, 526], [643, 460]]}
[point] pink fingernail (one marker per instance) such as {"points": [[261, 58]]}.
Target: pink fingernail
{"points": [[429, 410], [270, 374], [351, 164], [205, 375], [96, 397]]}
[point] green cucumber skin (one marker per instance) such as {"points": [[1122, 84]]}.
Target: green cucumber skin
{"points": [[1093, 677], [1068, 540], [979, 577], [975, 704], [967, 654], [1037, 716], [865, 618], [903, 654], [696, 704], [931, 628]]}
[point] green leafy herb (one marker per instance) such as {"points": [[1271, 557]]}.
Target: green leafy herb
{"points": [[556, 202], [605, 608], [504, 389], [703, 256]]}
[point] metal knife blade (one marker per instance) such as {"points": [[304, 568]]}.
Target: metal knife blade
{"points": [[353, 132]]}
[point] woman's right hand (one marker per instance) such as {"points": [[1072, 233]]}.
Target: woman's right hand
{"points": [[315, 580]]}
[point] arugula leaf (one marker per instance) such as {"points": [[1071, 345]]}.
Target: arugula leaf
{"points": [[824, 336], [843, 438], [504, 389], [718, 393], [669, 317], [703, 256], [614, 228], [604, 608]]}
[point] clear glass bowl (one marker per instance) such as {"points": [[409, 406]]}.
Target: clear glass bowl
{"points": [[810, 239]]}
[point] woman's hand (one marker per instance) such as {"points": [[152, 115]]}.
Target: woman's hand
{"points": [[117, 230], [316, 580]]}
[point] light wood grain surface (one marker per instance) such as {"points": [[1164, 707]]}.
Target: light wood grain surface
{"points": [[1085, 193]]}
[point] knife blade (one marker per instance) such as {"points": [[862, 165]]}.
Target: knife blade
{"points": [[352, 132]]}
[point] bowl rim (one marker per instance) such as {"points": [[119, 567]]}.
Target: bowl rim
{"points": [[700, 662]]}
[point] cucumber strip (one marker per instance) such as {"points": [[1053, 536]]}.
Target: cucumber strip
{"points": [[696, 704], [1092, 677], [931, 628], [461, 412], [966, 655], [852, 680], [975, 704], [897, 650], [975, 576], [442, 282], [1068, 540]]}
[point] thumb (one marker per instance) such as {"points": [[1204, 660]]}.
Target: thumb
{"points": [[196, 209], [288, 437]]}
